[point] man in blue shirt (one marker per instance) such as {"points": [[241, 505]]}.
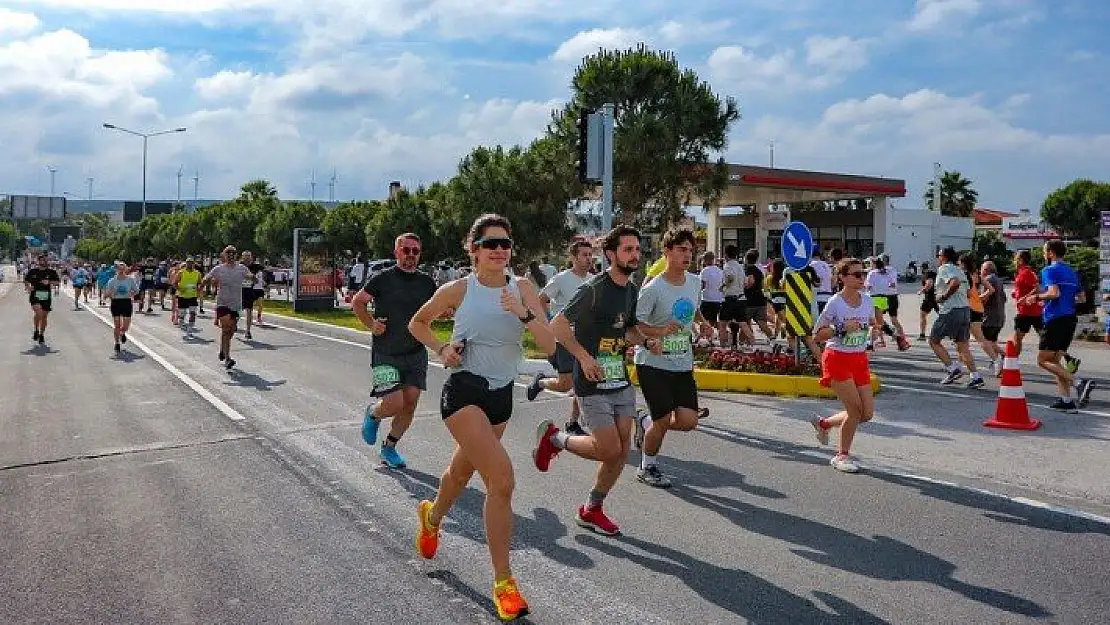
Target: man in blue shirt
{"points": [[1061, 287]]}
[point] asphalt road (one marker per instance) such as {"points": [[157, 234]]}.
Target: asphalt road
{"points": [[131, 499]]}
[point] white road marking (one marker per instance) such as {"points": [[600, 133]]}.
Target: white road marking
{"points": [[930, 391], [206, 394]]}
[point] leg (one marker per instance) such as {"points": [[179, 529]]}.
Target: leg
{"points": [[227, 330], [610, 440], [963, 348], [402, 419], [1050, 362], [681, 420], [858, 408], [941, 351]]}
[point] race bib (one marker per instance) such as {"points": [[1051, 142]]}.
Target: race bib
{"points": [[676, 344], [616, 372], [42, 295], [855, 339], [386, 377], [121, 291]]}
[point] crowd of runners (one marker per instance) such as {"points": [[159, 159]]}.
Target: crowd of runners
{"points": [[588, 319]]}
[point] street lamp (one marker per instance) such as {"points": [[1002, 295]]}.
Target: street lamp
{"points": [[145, 136]]}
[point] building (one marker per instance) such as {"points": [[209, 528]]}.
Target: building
{"points": [[989, 219], [1026, 231]]}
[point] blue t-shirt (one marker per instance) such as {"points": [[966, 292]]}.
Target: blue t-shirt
{"points": [[1065, 278], [80, 277]]}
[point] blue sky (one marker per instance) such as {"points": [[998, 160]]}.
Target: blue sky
{"points": [[1007, 91]]}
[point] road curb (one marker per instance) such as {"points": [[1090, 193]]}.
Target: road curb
{"points": [[762, 383]]}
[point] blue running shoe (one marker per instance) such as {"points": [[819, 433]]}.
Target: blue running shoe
{"points": [[392, 458], [370, 426]]}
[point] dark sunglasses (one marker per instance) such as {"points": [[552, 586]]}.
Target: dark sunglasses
{"points": [[411, 251], [858, 275], [495, 243]]}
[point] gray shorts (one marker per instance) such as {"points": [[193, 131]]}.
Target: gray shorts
{"points": [[954, 324], [603, 410]]}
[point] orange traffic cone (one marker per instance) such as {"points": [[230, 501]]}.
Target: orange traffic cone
{"points": [[1012, 411]]}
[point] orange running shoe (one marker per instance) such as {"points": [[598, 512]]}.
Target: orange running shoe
{"points": [[506, 596], [427, 535]]}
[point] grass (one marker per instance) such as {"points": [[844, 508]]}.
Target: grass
{"points": [[344, 318]]}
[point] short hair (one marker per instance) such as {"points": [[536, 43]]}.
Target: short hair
{"points": [[572, 249], [990, 266], [1057, 247], [731, 251], [675, 236], [751, 257], [1025, 256], [836, 255], [845, 264], [483, 223], [407, 235], [949, 254], [612, 239]]}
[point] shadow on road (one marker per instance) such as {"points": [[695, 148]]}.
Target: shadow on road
{"points": [[541, 532], [40, 350], [126, 356], [194, 339], [695, 473], [482, 599], [250, 380]]}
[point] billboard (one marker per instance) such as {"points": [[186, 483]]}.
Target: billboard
{"points": [[1027, 227], [313, 270], [133, 211], [37, 207], [58, 234]]}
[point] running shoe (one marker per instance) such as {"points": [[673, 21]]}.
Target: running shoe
{"points": [[652, 476], [1085, 388], [510, 604], [427, 535], [1072, 364], [903, 343], [545, 450], [229, 363], [123, 337], [596, 521], [952, 376], [821, 433], [535, 387], [976, 382], [391, 457], [574, 428], [844, 463], [703, 414], [1066, 406], [117, 348], [370, 425], [248, 336]]}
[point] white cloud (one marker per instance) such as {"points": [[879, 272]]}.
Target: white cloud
{"points": [[830, 59], [588, 42], [739, 68], [16, 24], [930, 14], [839, 54]]}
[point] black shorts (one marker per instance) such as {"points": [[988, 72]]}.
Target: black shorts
{"points": [[248, 299], [464, 388], [186, 302], [259, 295], [734, 309], [665, 390], [977, 317], [929, 304], [224, 311], [122, 307], [1058, 334], [45, 303], [162, 286], [711, 311], [390, 372], [991, 333], [779, 307], [82, 286], [146, 285], [562, 360], [1025, 323]]}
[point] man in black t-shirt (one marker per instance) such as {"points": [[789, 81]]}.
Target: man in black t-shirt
{"points": [[398, 362], [754, 295], [147, 284], [40, 283], [597, 327]]}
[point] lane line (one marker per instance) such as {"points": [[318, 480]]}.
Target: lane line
{"points": [[205, 394], [929, 391]]}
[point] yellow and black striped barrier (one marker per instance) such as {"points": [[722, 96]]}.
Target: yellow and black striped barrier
{"points": [[799, 305]]}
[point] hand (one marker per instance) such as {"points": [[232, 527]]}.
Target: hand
{"points": [[654, 346], [592, 369], [511, 303], [672, 326], [852, 325], [451, 354], [378, 327], [706, 330]]}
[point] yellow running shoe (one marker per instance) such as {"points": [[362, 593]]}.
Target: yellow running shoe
{"points": [[427, 535], [506, 596]]}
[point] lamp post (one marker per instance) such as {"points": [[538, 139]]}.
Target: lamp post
{"points": [[145, 136]]}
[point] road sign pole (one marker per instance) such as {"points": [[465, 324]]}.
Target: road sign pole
{"points": [[607, 113]]}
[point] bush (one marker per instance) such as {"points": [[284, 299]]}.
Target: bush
{"points": [[1085, 262]]}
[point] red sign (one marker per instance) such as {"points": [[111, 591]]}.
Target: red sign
{"points": [[315, 284]]}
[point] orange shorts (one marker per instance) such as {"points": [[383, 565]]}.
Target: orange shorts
{"points": [[840, 366]]}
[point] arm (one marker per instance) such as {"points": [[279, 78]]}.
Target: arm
{"points": [[545, 340], [988, 289], [447, 297], [360, 305]]}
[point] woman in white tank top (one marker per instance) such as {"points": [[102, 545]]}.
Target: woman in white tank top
{"points": [[491, 310]]}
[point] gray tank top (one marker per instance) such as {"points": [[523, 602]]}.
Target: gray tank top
{"points": [[493, 336]]}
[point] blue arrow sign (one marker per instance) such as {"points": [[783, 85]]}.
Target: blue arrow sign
{"points": [[797, 245]]}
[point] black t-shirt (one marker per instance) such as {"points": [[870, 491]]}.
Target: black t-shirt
{"points": [[755, 295], [398, 294], [40, 280], [931, 292], [148, 272], [601, 312]]}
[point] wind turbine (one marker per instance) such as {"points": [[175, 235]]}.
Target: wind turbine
{"points": [[196, 188], [312, 187], [180, 172], [331, 187]]}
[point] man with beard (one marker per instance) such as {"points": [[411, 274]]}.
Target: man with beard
{"points": [[596, 327], [40, 283]]}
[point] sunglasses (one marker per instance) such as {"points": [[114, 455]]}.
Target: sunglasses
{"points": [[858, 275], [411, 251], [495, 243]]}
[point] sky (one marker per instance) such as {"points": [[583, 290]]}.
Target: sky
{"points": [[1012, 93]]}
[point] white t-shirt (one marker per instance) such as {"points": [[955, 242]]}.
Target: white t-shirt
{"points": [[879, 283], [838, 312], [713, 279], [548, 270], [561, 288], [824, 273], [736, 270], [946, 273], [358, 273]]}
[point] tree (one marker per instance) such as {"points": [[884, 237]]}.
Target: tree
{"points": [[7, 237], [668, 124], [988, 245], [405, 212], [1073, 210], [257, 191], [345, 225], [957, 195], [274, 235], [94, 225]]}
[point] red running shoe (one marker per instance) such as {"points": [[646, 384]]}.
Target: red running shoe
{"points": [[545, 450], [595, 520]]}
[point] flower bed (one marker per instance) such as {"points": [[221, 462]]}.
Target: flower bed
{"points": [[776, 363]]}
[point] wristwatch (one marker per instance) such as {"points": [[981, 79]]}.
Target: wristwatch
{"points": [[527, 318]]}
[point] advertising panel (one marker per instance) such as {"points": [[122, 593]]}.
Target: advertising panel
{"points": [[1027, 227], [313, 270], [38, 207], [133, 211]]}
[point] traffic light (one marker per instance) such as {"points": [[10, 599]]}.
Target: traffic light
{"points": [[583, 145]]}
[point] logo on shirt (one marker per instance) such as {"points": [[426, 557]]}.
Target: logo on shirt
{"points": [[619, 321], [683, 310]]}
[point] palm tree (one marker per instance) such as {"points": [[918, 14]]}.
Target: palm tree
{"points": [[957, 196], [257, 190]]}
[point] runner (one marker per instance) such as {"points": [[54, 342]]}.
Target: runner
{"points": [[882, 287], [994, 317], [712, 291], [824, 286], [229, 278], [734, 310], [82, 282], [175, 312], [953, 321], [146, 285], [261, 285], [667, 309], [103, 275], [845, 325], [398, 361], [1061, 287], [186, 282], [1029, 315], [40, 282], [928, 293], [555, 296], [978, 311], [596, 327], [491, 312], [162, 283], [122, 289]]}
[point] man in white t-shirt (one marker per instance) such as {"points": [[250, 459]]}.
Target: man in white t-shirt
{"points": [[824, 273], [356, 276], [556, 294], [548, 269], [712, 290], [734, 309]]}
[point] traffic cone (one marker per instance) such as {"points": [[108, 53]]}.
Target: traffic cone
{"points": [[1012, 411]]}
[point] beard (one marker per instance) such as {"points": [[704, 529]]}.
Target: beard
{"points": [[627, 268]]}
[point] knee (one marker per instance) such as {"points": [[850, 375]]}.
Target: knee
{"points": [[501, 485], [684, 422], [457, 476], [391, 404], [866, 415]]}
